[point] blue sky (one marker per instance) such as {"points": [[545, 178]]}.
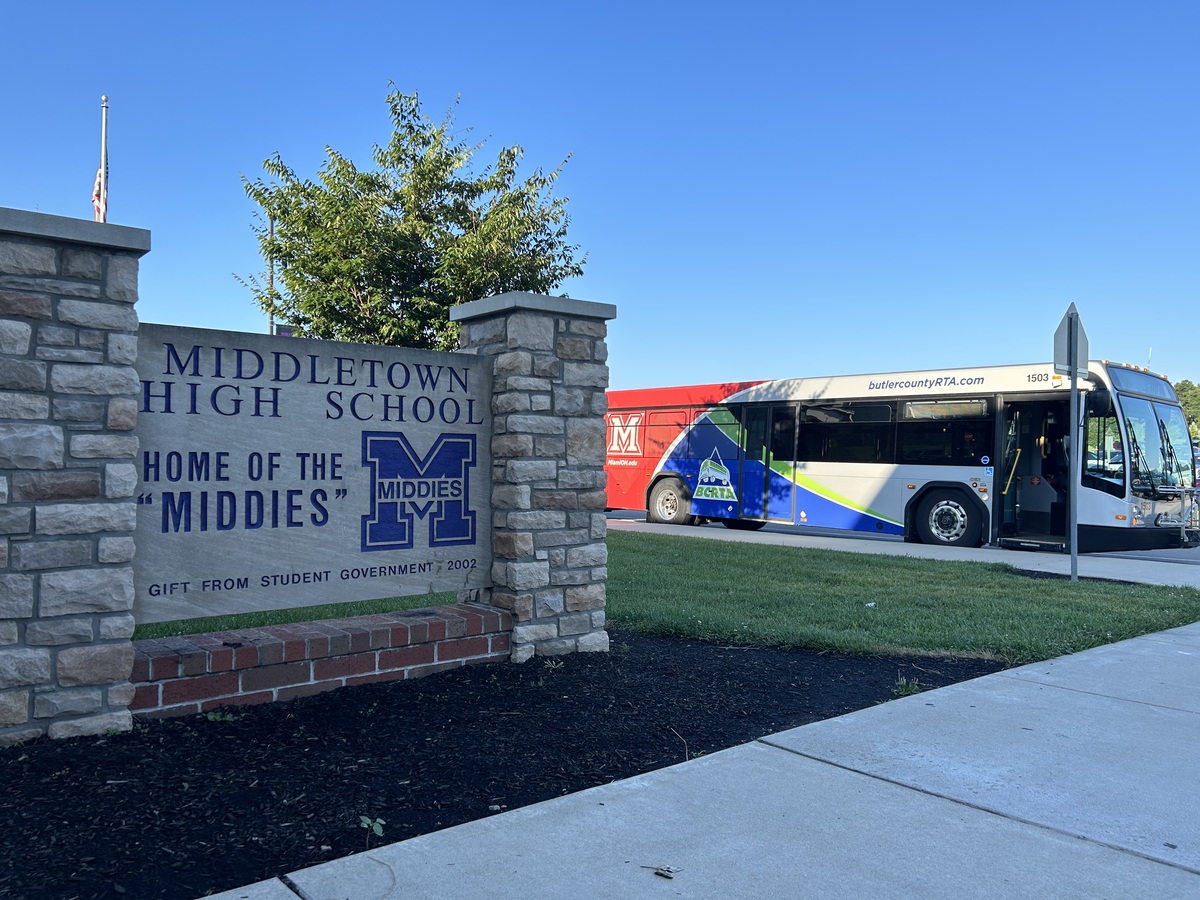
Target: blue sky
{"points": [[763, 189]]}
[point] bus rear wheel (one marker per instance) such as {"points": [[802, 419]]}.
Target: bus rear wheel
{"points": [[669, 504], [948, 518]]}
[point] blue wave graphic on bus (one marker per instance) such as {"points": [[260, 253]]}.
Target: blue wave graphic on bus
{"points": [[751, 490], [813, 509]]}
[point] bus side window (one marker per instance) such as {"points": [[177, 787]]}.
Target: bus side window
{"points": [[1104, 459], [754, 432], [848, 432], [945, 432], [950, 442], [663, 428], [925, 442], [783, 433], [726, 420], [817, 427], [812, 442]]}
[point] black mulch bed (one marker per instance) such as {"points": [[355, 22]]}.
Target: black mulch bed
{"points": [[185, 807]]}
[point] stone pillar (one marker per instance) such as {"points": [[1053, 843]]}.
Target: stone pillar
{"points": [[548, 403], [68, 405]]}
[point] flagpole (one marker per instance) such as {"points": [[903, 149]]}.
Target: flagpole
{"points": [[103, 211]]}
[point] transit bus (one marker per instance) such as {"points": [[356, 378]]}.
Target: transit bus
{"points": [[953, 458]]}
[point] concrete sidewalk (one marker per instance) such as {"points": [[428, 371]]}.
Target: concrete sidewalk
{"points": [[1075, 777]]}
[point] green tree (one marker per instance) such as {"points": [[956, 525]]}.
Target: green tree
{"points": [[380, 256], [1189, 397]]}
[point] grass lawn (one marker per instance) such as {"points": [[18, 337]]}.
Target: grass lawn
{"points": [[858, 603], [829, 600]]}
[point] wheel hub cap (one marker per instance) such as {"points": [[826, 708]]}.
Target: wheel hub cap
{"points": [[948, 521]]}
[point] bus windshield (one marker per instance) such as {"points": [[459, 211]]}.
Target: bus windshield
{"points": [[1160, 448]]}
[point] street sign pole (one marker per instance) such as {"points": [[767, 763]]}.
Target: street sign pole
{"points": [[1072, 452], [1070, 356]]}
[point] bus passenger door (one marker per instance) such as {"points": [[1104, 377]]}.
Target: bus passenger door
{"points": [[1010, 459], [781, 464], [752, 465], [1034, 483], [765, 485]]}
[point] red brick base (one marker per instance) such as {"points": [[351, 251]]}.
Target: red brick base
{"points": [[180, 675]]}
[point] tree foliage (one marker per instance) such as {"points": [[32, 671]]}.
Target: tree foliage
{"points": [[1189, 397], [380, 256]]}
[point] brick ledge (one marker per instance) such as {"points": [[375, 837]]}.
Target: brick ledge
{"points": [[194, 673]]}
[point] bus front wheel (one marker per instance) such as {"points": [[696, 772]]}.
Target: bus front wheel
{"points": [[948, 518], [669, 504]]}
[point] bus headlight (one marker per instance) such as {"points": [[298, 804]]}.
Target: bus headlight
{"points": [[1137, 514]]}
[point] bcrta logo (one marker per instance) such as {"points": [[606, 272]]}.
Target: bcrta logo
{"points": [[407, 487], [714, 481], [624, 434]]}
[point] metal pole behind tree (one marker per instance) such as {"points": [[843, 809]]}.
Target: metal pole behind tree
{"points": [[271, 276], [1073, 456]]}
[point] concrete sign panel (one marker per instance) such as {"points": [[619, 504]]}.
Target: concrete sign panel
{"points": [[279, 472]]}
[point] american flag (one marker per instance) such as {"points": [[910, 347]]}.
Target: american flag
{"points": [[100, 197]]}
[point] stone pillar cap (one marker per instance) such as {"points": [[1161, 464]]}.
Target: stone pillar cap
{"points": [[517, 300], [76, 231]]}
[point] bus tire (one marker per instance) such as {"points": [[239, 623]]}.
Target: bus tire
{"points": [[669, 504], [743, 524], [949, 519]]}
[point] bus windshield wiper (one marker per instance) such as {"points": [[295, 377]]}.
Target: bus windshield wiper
{"points": [[1141, 467], [1170, 459]]}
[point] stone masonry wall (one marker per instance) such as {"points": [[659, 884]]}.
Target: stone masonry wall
{"points": [[68, 341], [548, 403]]}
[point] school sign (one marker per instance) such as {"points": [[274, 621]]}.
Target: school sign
{"points": [[284, 472], [154, 473]]}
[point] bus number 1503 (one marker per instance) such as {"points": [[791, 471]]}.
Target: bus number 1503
{"points": [[1038, 376]]}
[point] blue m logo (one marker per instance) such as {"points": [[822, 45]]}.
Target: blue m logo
{"points": [[406, 486]]}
